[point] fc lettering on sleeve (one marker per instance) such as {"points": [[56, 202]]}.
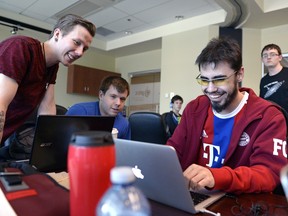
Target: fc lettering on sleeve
{"points": [[279, 146]]}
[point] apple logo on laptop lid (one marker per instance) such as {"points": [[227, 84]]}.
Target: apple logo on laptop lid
{"points": [[137, 172]]}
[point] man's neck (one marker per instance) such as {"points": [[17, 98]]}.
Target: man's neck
{"points": [[274, 70], [51, 57], [176, 112]]}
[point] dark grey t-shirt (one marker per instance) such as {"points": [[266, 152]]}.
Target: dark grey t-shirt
{"points": [[275, 88]]}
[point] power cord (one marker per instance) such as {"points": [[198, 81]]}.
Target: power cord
{"points": [[210, 212], [260, 208], [248, 207]]}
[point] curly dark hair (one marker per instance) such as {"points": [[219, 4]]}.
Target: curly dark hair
{"points": [[218, 50]]}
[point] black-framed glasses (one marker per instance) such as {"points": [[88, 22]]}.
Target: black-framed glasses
{"points": [[217, 81], [271, 55]]}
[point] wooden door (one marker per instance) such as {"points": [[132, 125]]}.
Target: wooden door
{"points": [[145, 93]]}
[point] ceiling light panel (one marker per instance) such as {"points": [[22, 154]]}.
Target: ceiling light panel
{"points": [[169, 10], [16, 5], [106, 16], [47, 9], [104, 32], [135, 6], [124, 24], [81, 8], [105, 3]]}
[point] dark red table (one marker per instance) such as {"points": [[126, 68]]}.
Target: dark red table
{"points": [[273, 204]]}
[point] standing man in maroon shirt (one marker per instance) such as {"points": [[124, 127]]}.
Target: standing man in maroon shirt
{"points": [[28, 70]]}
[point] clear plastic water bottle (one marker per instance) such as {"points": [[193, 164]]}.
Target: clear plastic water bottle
{"points": [[123, 198]]}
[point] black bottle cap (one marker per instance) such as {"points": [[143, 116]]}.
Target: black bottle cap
{"points": [[92, 138]]}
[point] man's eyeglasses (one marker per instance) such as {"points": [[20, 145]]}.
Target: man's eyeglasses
{"points": [[271, 55], [217, 81]]}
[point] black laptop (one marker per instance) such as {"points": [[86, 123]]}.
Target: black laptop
{"points": [[53, 134]]}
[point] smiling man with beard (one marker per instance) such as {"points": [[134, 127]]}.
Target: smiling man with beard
{"points": [[229, 139], [28, 70]]}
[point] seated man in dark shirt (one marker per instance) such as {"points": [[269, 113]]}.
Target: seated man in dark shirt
{"points": [[173, 118]]}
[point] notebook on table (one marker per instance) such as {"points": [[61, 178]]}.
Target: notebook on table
{"points": [[53, 134], [160, 176]]}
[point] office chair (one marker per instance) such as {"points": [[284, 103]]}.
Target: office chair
{"points": [[147, 127], [60, 110], [168, 129]]}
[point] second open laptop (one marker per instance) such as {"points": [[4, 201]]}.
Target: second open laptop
{"points": [[53, 134], [159, 174]]}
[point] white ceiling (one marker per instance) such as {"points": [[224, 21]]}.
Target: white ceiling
{"points": [[122, 23], [112, 17]]}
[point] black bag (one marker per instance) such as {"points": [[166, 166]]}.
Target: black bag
{"points": [[20, 142]]}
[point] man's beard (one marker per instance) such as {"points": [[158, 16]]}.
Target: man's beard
{"points": [[230, 97]]}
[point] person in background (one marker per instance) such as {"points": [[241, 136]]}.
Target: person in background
{"points": [[173, 118], [28, 70], [229, 139], [113, 93], [274, 85]]}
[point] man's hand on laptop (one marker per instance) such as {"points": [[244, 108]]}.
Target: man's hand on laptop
{"points": [[199, 177]]}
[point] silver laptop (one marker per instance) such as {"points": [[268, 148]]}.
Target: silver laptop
{"points": [[159, 174]]}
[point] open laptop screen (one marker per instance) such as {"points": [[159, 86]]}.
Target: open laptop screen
{"points": [[52, 138]]}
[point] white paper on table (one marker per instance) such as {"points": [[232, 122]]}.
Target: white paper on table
{"points": [[6, 209]]}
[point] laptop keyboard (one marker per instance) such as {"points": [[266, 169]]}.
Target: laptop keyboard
{"points": [[198, 197]]}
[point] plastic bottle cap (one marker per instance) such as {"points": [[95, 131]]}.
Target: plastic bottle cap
{"points": [[122, 175]]}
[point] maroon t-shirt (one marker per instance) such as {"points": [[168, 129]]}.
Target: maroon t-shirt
{"points": [[22, 59]]}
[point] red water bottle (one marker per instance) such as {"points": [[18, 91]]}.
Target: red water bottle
{"points": [[91, 156]]}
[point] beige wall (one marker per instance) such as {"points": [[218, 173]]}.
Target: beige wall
{"points": [[277, 35], [251, 47], [143, 62], [178, 69], [146, 61], [253, 42], [179, 53], [175, 60]]}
